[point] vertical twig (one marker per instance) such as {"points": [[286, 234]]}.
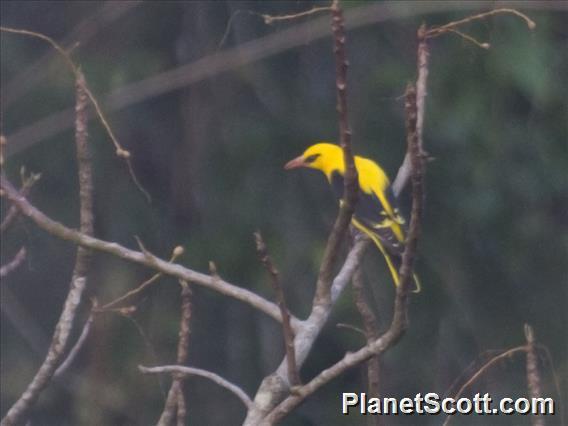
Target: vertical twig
{"points": [[323, 296], [175, 406], [183, 346], [181, 413], [18, 412], [414, 141], [533, 373], [84, 169], [341, 65], [293, 374], [170, 407], [423, 54], [371, 329]]}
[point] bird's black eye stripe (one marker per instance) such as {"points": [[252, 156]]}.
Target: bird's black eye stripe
{"points": [[312, 158]]}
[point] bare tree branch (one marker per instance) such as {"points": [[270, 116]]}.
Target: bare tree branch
{"points": [[175, 402], [19, 411], [13, 264], [178, 271], [371, 332], [293, 374], [404, 171], [270, 19], [483, 369], [72, 355], [13, 211], [181, 414], [548, 358], [436, 31], [400, 320], [533, 373], [177, 251], [191, 371], [325, 277], [170, 407], [276, 386]]}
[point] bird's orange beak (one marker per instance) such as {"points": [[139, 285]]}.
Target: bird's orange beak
{"points": [[295, 163]]}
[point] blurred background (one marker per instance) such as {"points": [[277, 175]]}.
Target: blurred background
{"points": [[211, 102]]}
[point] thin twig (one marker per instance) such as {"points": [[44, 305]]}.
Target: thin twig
{"points": [[417, 170], [27, 183], [120, 151], [192, 371], [170, 407], [183, 347], [371, 331], [322, 296], [436, 31], [533, 373], [468, 371], [178, 251], [351, 327], [451, 27], [175, 402], [482, 370], [469, 38], [72, 355], [185, 324], [181, 414], [13, 264], [19, 411], [128, 315], [370, 325], [421, 82], [341, 65], [172, 269], [548, 357], [423, 53], [230, 24], [270, 19], [293, 373]]}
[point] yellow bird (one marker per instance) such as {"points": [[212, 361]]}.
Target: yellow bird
{"points": [[376, 213]]}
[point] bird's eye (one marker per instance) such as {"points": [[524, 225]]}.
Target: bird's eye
{"points": [[311, 158]]}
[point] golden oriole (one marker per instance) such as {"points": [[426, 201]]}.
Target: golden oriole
{"points": [[376, 212]]}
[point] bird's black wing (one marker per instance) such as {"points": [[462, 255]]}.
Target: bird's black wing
{"points": [[370, 212]]}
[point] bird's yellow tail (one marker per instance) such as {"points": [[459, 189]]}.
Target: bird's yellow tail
{"points": [[393, 263]]}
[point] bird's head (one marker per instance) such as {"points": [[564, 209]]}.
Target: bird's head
{"points": [[322, 156]]}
